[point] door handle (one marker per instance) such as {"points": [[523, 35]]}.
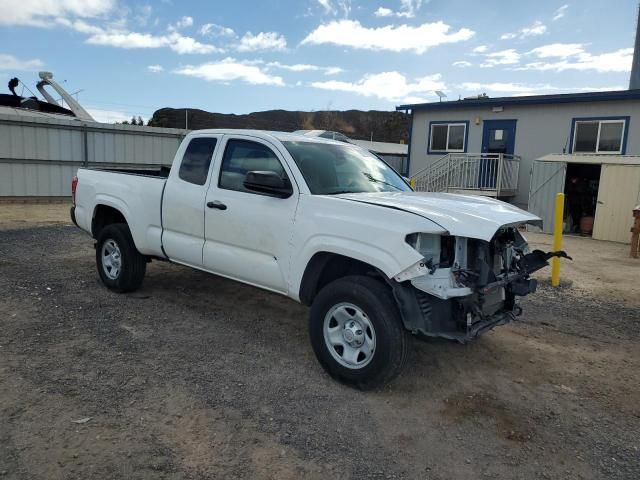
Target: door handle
{"points": [[217, 204]]}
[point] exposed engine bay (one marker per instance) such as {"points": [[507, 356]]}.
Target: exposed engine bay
{"points": [[465, 286]]}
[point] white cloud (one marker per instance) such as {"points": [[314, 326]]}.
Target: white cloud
{"points": [[333, 70], [480, 49], [9, 62], [229, 70], [502, 57], [298, 67], [383, 12], [328, 7], [108, 116], [183, 45], [305, 67], [350, 33], [184, 22], [262, 41], [521, 89], [560, 12], [617, 61], [174, 40], [537, 28], [390, 86], [462, 64], [214, 30], [560, 50], [408, 8], [42, 13], [333, 7], [79, 26], [155, 68], [505, 87]]}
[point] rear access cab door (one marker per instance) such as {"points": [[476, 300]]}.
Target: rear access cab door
{"points": [[183, 202], [247, 233]]}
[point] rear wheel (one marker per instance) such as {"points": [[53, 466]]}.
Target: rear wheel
{"points": [[356, 332], [120, 266]]}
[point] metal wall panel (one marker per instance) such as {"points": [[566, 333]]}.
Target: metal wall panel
{"points": [[39, 156], [547, 179], [618, 193]]}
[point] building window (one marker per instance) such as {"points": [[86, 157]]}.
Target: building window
{"points": [[448, 137], [599, 136]]}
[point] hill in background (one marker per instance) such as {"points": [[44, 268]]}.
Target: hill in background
{"points": [[356, 124]]}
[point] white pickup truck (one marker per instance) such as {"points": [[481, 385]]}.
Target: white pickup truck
{"points": [[325, 223]]}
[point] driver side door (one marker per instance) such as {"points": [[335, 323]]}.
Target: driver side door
{"points": [[247, 233]]}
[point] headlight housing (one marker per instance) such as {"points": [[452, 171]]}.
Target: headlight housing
{"points": [[426, 244]]}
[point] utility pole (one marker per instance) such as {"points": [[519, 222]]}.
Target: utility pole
{"points": [[634, 79]]}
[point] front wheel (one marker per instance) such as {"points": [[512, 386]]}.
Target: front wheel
{"points": [[120, 266], [356, 332]]}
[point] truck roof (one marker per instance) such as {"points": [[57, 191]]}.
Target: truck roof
{"points": [[266, 134]]}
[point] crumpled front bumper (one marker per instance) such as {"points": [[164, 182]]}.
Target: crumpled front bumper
{"points": [[477, 310]]}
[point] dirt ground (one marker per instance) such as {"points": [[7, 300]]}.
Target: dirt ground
{"points": [[195, 376]]}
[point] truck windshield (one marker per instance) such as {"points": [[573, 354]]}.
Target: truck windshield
{"points": [[331, 169]]}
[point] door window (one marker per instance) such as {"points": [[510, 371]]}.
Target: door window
{"points": [[243, 156], [194, 167], [498, 139]]}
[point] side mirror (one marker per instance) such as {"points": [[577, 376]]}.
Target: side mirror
{"points": [[268, 183]]}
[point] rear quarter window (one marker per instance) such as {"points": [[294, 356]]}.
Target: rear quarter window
{"points": [[196, 160]]}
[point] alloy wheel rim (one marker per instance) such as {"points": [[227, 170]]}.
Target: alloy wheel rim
{"points": [[111, 259]]}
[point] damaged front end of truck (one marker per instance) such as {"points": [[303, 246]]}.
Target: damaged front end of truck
{"points": [[464, 286]]}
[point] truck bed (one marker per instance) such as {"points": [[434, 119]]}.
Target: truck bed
{"points": [[162, 172], [137, 194]]}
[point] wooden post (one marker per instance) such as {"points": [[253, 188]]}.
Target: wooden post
{"points": [[557, 239], [635, 233]]}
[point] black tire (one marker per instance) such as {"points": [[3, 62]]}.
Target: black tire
{"points": [[133, 265], [375, 299]]}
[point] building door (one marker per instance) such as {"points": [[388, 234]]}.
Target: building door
{"points": [[498, 136], [547, 179], [618, 194]]}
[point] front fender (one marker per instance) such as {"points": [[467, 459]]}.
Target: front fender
{"points": [[365, 252]]}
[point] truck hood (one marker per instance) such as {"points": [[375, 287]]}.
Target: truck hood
{"points": [[460, 215]]}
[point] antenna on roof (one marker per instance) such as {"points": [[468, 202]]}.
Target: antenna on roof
{"points": [[441, 94]]}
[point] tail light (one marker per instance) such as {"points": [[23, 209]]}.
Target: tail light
{"points": [[74, 185]]}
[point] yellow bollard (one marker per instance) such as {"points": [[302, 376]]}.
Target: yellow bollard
{"points": [[557, 239], [413, 182]]}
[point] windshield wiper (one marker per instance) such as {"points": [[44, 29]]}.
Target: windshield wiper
{"points": [[339, 192], [377, 180]]}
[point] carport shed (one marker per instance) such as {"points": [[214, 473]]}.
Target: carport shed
{"points": [[603, 189]]}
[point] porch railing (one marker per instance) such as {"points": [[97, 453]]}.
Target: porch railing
{"points": [[494, 174]]}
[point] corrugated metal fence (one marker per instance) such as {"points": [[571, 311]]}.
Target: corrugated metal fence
{"points": [[39, 156]]}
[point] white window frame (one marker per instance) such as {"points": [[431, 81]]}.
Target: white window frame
{"points": [[448, 125], [600, 122]]}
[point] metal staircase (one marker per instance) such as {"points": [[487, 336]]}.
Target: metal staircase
{"points": [[489, 174]]}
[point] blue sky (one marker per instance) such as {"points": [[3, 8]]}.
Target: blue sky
{"points": [[241, 56]]}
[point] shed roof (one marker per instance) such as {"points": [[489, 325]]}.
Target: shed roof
{"points": [[614, 95], [595, 159]]}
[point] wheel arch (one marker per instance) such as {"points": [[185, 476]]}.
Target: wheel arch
{"points": [[325, 267], [105, 214]]}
